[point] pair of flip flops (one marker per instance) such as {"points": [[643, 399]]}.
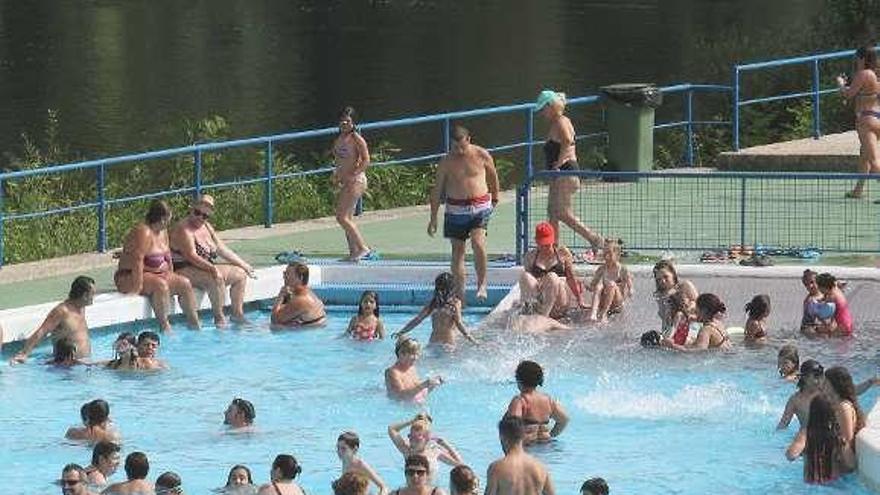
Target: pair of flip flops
{"points": [[805, 253], [757, 260], [287, 257], [370, 256]]}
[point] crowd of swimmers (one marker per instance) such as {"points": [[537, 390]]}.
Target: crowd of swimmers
{"points": [[160, 260]]}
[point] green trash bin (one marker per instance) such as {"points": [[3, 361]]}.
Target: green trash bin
{"points": [[630, 123]]}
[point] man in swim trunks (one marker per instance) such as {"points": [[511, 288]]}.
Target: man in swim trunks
{"points": [[466, 177], [66, 321], [296, 305], [517, 473]]}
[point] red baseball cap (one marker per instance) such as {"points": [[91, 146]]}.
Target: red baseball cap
{"points": [[545, 235]]}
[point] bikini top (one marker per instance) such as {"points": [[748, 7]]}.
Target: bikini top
{"points": [[365, 331], [156, 260], [558, 267], [551, 153], [526, 417]]}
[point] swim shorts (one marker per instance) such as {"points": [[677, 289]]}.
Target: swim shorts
{"points": [[464, 215]]}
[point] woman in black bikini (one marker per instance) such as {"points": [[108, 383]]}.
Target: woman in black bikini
{"points": [[559, 151], [536, 408], [865, 91], [548, 281], [417, 480]]}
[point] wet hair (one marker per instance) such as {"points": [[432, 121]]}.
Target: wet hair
{"points": [[80, 286], [810, 367], [758, 307], [421, 424], [823, 441], [529, 374], [511, 428], [158, 211], [95, 412], [350, 438], [664, 265], [63, 350], [348, 113], [826, 281], [868, 55], [288, 466], [364, 296], [444, 290], [247, 470], [417, 460], [301, 270], [350, 484], [168, 482], [406, 345], [710, 304], [246, 407], [676, 302], [72, 467], [103, 449], [651, 338], [459, 132], [789, 353], [463, 479], [842, 384], [595, 486], [808, 274], [144, 336], [137, 466]]}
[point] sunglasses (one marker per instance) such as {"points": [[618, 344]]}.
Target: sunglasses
{"points": [[200, 213], [70, 482], [413, 472]]}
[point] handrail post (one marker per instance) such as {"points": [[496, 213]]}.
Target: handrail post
{"points": [[198, 173], [522, 197], [530, 138], [689, 114], [2, 214], [102, 209], [735, 108], [816, 114], [742, 212], [268, 187], [447, 133]]}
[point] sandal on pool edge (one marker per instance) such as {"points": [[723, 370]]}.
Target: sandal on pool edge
{"points": [[287, 257]]}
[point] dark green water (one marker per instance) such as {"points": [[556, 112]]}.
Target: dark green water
{"points": [[123, 74]]}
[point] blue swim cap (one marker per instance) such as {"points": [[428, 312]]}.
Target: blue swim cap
{"points": [[545, 98]]}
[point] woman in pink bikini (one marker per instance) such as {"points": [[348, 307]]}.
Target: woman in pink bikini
{"points": [[366, 325], [145, 267], [352, 157], [841, 325]]}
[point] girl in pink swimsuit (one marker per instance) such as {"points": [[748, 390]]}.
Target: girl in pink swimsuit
{"points": [[842, 323], [366, 325]]}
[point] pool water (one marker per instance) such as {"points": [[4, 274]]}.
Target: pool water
{"points": [[647, 421]]}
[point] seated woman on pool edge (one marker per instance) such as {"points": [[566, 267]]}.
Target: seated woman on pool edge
{"points": [[445, 311], [536, 408], [548, 281], [666, 284], [712, 335], [402, 380], [611, 285]]}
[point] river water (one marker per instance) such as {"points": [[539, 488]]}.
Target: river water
{"points": [[123, 75]]}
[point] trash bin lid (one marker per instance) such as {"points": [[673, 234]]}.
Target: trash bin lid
{"points": [[641, 94]]}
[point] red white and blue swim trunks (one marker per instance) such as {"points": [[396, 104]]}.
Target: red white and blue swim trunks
{"points": [[464, 215]]}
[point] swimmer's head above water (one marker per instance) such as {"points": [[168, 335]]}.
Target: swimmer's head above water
{"points": [[529, 375]]}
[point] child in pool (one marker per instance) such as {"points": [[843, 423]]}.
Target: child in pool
{"points": [[788, 362], [611, 285], [366, 325], [841, 324], [444, 308], [810, 384], [683, 314], [810, 320], [758, 310]]}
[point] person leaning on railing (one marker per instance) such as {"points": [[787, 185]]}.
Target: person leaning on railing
{"points": [[195, 252], [864, 90], [145, 267]]}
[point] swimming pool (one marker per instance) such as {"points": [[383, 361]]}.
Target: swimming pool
{"points": [[647, 421]]}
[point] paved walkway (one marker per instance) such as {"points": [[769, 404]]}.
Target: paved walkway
{"points": [[832, 153]]}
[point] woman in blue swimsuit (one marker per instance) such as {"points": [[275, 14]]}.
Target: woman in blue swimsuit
{"points": [[865, 91]]}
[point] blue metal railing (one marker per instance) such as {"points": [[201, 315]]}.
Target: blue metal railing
{"points": [[815, 92], [269, 144]]}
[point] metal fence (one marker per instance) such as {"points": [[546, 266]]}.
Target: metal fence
{"points": [[198, 153], [689, 211]]}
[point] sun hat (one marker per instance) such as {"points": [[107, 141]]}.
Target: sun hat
{"points": [[545, 235], [545, 98]]}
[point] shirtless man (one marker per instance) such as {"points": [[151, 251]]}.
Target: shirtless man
{"points": [[466, 176], [402, 381], [296, 305], [146, 356], [239, 416], [67, 320], [136, 469], [74, 481], [517, 473]]}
